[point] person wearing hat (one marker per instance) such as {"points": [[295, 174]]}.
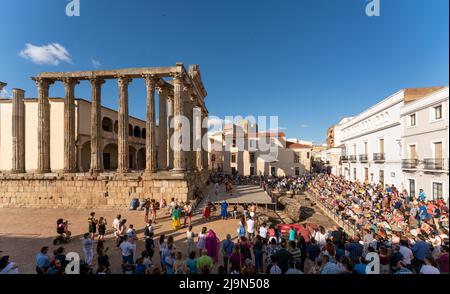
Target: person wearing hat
{"points": [[42, 261]]}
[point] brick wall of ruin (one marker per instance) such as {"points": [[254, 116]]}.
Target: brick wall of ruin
{"points": [[85, 191]]}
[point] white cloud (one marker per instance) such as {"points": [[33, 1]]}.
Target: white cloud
{"points": [[51, 54], [304, 126], [95, 63]]}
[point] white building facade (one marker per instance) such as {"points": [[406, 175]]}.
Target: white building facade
{"points": [[372, 141], [425, 145]]}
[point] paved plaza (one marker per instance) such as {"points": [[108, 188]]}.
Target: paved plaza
{"points": [[24, 231], [240, 194]]}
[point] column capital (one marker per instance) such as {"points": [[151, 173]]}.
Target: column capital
{"points": [[177, 76], [124, 80], [162, 90], [68, 81], [42, 82], [96, 81]]}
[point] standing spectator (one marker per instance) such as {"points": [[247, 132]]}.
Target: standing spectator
{"points": [[42, 261], [92, 228], [88, 249], [251, 229], [421, 250], [258, 252], [283, 256], [355, 249], [227, 250], [190, 240], [429, 267]]}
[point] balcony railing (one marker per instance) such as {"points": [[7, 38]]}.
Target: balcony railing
{"points": [[433, 163], [352, 158], [363, 158], [379, 157], [344, 158], [410, 163]]}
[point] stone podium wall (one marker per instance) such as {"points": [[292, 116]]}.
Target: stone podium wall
{"points": [[103, 191]]}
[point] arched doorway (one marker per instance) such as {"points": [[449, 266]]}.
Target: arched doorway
{"points": [[110, 157], [141, 159], [132, 157], [85, 160]]}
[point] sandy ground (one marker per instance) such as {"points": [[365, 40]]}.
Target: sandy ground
{"points": [[24, 231]]}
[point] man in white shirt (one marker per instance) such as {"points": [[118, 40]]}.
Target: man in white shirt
{"points": [[116, 222], [87, 249], [251, 229], [126, 249], [406, 252], [263, 231]]}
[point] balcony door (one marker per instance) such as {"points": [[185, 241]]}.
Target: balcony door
{"points": [[381, 146], [381, 176], [438, 155], [438, 150], [412, 152]]}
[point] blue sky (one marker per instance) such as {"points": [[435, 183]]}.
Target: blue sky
{"points": [[311, 62]]}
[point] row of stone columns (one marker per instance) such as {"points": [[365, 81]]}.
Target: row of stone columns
{"points": [[179, 104]]}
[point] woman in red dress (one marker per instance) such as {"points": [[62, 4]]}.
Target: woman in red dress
{"points": [[207, 212]]}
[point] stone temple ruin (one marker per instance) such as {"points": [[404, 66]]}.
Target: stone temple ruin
{"points": [[33, 177]]}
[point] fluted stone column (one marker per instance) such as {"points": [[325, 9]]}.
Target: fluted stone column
{"points": [[204, 152], [123, 151], [43, 86], [150, 141], [187, 106], [198, 133], [96, 124], [18, 131], [69, 126], [169, 145], [179, 163], [162, 129]]}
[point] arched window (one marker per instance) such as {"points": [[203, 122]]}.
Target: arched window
{"points": [[107, 124], [130, 130], [137, 132], [144, 133], [116, 126]]}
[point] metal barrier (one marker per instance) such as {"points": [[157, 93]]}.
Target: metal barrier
{"points": [[331, 213]]}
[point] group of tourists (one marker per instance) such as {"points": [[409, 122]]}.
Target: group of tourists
{"points": [[409, 232], [294, 184]]}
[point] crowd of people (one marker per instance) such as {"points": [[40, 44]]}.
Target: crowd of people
{"points": [[406, 234], [409, 232]]}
